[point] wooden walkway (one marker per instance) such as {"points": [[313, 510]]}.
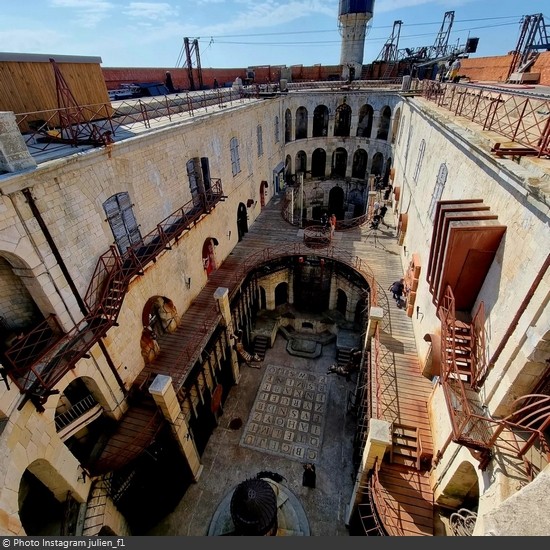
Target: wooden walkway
{"points": [[404, 391]]}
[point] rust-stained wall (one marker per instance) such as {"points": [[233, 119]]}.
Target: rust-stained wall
{"points": [[115, 76], [493, 69]]}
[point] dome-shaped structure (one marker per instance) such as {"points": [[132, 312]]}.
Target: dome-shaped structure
{"points": [[254, 508]]}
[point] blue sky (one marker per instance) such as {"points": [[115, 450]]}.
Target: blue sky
{"points": [[242, 33]]}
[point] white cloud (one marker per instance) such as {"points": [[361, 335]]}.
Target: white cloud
{"points": [[151, 11], [87, 13]]}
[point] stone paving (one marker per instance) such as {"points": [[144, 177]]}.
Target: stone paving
{"points": [[288, 414]]}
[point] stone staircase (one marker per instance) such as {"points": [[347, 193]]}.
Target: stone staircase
{"points": [[261, 344]]}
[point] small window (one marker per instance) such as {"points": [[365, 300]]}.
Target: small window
{"points": [[418, 166], [120, 216], [260, 140], [438, 190], [235, 161]]}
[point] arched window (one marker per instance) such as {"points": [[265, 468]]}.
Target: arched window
{"points": [[301, 161], [364, 126], [342, 120], [276, 129], [438, 190], [260, 140], [359, 166], [288, 126], [301, 123], [384, 125], [418, 166], [318, 163], [235, 160], [320, 121]]}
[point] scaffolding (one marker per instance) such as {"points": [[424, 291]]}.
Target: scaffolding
{"points": [[533, 38]]}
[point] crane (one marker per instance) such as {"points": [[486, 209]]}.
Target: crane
{"points": [[191, 47], [389, 52], [440, 46], [533, 37]]}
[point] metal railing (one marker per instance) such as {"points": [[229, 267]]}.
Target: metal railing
{"points": [[75, 412], [42, 357], [521, 118], [99, 124]]}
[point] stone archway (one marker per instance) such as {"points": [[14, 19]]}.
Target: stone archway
{"points": [[242, 221], [460, 493]]}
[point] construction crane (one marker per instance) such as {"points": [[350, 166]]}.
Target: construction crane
{"points": [[191, 48], [390, 50], [440, 46], [533, 37]]}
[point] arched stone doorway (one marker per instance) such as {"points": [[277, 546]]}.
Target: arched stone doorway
{"points": [[281, 294], [364, 126], [42, 494], [336, 202], [209, 255], [339, 163], [341, 302], [242, 221], [301, 162], [377, 164], [320, 121], [318, 163], [461, 491], [359, 166], [301, 123], [384, 125], [342, 120]]}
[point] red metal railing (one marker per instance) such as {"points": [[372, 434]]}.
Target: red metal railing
{"points": [[521, 118], [470, 422], [88, 124], [41, 358]]}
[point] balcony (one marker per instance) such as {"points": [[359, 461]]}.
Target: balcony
{"points": [[41, 358]]}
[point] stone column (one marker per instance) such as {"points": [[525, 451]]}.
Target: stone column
{"points": [[378, 440], [14, 155], [376, 314], [222, 297], [165, 397]]}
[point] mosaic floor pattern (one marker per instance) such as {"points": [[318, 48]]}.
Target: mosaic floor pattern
{"points": [[288, 414]]}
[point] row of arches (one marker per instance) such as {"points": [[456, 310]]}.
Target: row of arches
{"points": [[338, 164], [366, 126]]}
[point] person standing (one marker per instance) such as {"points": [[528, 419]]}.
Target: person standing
{"points": [[168, 83], [452, 75], [332, 226], [382, 213], [397, 288]]}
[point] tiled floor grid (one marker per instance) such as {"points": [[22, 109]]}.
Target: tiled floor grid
{"points": [[288, 414]]}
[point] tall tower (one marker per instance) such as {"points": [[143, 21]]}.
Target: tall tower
{"points": [[353, 16]]}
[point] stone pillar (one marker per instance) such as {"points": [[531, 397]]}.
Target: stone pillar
{"points": [[165, 397], [378, 440], [376, 314], [14, 155], [222, 297]]}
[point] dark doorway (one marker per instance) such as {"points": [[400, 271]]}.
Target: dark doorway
{"points": [[242, 221]]}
